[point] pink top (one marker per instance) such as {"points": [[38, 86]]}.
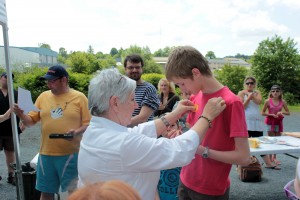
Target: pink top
{"points": [[274, 109]]}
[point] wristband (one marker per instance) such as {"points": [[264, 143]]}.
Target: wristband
{"points": [[165, 121], [208, 120]]}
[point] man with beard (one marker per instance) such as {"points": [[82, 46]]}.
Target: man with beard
{"points": [[145, 93]]}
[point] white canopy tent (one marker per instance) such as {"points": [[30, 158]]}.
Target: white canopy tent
{"points": [[18, 171]]}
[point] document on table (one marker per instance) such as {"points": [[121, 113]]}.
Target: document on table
{"points": [[25, 100]]}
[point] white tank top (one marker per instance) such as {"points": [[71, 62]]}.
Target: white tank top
{"points": [[253, 116]]}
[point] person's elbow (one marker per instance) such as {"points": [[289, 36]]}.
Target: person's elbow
{"points": [[244, 161]]}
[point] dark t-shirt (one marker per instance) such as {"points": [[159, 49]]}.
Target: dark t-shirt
{"points": [[5, 126]]}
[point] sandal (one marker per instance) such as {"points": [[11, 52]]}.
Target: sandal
{"points": [[273, 167]]}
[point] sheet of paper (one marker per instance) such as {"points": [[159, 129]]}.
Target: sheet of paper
{"points": [[25, 101]]}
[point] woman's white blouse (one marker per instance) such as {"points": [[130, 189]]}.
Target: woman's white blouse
{"points": [[110, 151]]}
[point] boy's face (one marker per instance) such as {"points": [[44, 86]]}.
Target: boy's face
{"points": [[187, 85], [173, 127]]}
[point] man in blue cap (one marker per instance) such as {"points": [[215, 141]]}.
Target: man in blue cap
{"points": [[62, 111]]}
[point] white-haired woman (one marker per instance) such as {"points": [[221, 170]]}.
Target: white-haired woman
{"points": [[110, 150]]}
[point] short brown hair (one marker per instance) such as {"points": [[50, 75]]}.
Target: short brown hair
{"points": [[183, 59], [110, 190]]}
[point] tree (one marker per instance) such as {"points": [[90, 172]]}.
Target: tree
{"points": [[113, 51], [62, 51], [163, 52], [44, 45], [62, 55], [232, 76], [210, 55], [90, 49], [277, 62]]}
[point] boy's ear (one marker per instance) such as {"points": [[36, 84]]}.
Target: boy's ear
{"points": [[196, 72]]}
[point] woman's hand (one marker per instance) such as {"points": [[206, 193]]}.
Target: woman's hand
{"points": [[183, 106], [7, 114], [214, 107]]}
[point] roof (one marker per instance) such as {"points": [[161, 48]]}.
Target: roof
{"points": [[40, 50]]}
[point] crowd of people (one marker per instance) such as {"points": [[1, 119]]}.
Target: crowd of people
{"points": [[130, 141]]}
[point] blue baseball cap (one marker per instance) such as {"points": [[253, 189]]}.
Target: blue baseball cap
{"points": [[54, 72]]}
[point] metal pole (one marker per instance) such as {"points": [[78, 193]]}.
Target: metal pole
{"points": [[18, 171]]}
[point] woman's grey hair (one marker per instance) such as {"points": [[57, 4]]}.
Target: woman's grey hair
{"points": [[108, 83]]}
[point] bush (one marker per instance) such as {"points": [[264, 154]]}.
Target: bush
{"points": [[152, 78], [290, 98]]}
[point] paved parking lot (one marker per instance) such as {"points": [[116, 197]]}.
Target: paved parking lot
{"points": [[271, 186]]}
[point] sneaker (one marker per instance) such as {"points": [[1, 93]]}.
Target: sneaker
{"points": [[11, 179]]}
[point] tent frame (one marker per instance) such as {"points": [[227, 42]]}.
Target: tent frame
{"points": [[18, 170]]}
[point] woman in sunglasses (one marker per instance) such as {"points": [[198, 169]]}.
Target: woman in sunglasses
{"points": [[274, 117], [251, 99]]}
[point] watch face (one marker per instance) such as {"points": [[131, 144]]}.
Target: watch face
{"points": [[205, 153]]}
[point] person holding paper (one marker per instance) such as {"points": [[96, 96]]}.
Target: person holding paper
{"points": [[62, 111], [6, 134]]}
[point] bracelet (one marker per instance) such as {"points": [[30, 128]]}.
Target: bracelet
{"points": [[165, 121], [208, 120]]}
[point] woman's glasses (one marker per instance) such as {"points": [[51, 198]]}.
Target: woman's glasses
{"points": [[249, 83], [277, 91]]}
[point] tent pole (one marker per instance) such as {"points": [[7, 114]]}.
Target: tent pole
{"points": [[18, 171]]}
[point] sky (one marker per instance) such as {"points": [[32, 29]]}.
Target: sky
{"points": [[226, 27]]}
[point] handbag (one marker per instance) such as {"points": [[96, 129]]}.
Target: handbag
{"points": [[252, 172]]}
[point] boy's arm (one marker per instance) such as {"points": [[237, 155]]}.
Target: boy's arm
{"points": [[240, 156]]}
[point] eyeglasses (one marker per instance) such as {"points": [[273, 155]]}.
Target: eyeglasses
{"points": [[249, 83], [275, 91], [120, 79], [134, 67]]}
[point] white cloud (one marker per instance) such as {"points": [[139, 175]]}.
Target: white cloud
{"points": [[215, 25]]}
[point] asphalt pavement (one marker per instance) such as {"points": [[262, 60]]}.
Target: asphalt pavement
{"points": [[271, 186]]}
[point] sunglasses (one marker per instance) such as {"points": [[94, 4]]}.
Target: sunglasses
{"points": [[249, 83], [275, 91]]}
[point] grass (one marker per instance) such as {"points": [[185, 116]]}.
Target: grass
{"points": [[294, 108]]}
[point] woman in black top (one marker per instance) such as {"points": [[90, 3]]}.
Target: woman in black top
{"points": [[167, 96]]}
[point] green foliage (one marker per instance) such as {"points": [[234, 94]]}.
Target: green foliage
{"points": [[82, 62], [30, 80], [80, 82], [232, 76], [113, 51], [165, 52], [44, 45], [152, 78], [277, 62], [210, 55], [152, 67], [90, 49], [290, 98]]}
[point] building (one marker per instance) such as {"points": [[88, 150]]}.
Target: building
{"points": [[219, 63], [213, 63], [29, 56]]}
